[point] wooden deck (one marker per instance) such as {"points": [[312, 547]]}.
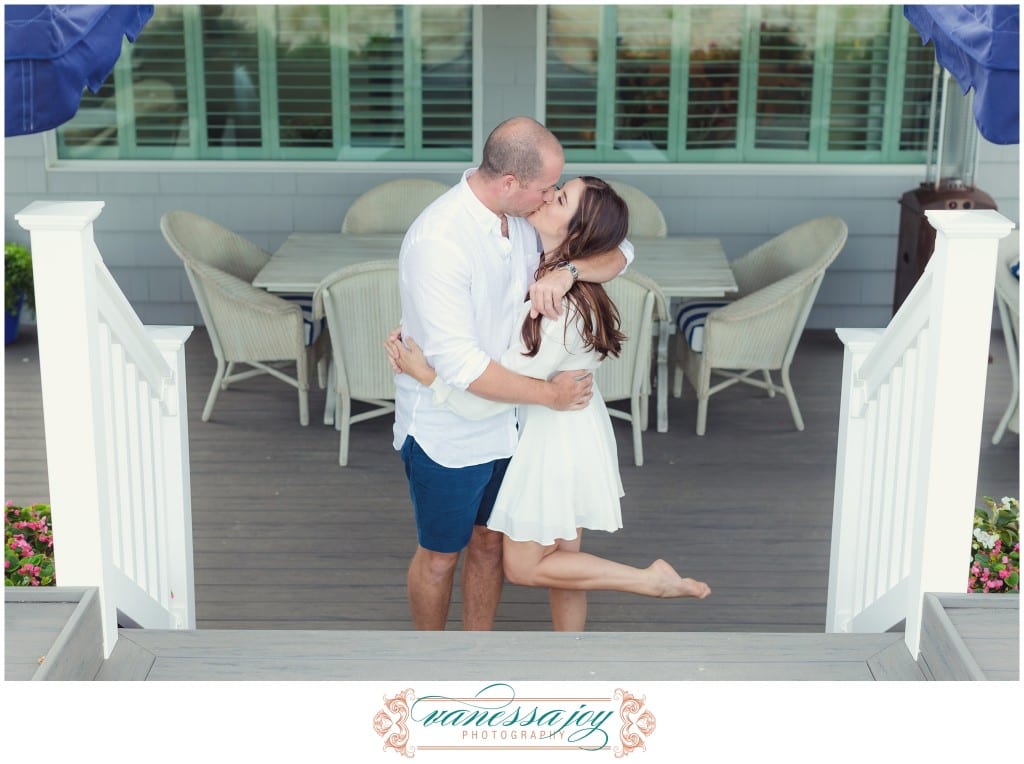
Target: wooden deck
{"points": [[55, 633], [286, 539]]}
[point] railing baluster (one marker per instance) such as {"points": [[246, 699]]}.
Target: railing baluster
{"points": [[147, 503], [106, 383], [156, 448]]}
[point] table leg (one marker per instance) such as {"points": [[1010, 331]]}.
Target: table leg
{"points": [[662, 381]]}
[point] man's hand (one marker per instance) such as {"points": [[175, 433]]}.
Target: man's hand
{"points": [[395, 336], [573, 390], [546, 293]]}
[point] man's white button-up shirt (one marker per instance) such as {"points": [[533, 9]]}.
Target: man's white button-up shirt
{"points": [[462, 284]]}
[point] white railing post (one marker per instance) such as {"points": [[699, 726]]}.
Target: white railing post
{"points": [[64, 274], [170, 341], [965, 246]]}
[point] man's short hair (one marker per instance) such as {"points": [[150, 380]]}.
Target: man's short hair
{"points": [[515, 147]]}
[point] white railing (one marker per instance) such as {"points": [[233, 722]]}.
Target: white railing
{"points": [[909, 437], [116, 430]]}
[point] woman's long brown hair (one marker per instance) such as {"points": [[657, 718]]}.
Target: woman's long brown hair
{"points": [[599, 226]]}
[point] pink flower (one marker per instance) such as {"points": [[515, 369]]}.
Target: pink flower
{"points": [[10, 503]]}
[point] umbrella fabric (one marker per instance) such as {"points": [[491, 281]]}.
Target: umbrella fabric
{"points": [[52, 52], [979, 46]]}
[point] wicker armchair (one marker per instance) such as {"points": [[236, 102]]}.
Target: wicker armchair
{"points": [[628, 377], [246, 325], [1008, 303], [645, 217], [758, 332], [362, 305], [392, 206]]}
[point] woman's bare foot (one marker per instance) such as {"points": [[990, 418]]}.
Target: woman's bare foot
{"points": [[668, 583]]}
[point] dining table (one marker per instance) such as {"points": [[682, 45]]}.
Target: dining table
{"points": [[683, 267]]}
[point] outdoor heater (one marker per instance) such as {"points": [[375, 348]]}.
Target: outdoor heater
{"points": [[949, 182]]}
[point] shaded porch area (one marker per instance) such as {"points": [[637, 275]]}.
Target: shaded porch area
{"points": [[286, 539]]}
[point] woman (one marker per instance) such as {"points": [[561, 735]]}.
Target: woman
{"points": [[564, 475]]}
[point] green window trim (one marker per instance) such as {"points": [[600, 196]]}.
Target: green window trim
{"points": [[286, 83], [787, 84]]}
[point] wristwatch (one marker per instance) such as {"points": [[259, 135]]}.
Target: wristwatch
{"points": [[565, 264]]}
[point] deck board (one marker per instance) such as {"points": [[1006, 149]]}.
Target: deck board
{"points": [[285, 538], [339, 655]]}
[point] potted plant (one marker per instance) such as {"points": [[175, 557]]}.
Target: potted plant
{"points": [[17, 287]]}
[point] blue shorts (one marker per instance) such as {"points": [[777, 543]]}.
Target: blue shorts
{"points": [[449, 501]]}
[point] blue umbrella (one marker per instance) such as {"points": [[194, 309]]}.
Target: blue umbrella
{"points": [[52, 52], [978, 45]]}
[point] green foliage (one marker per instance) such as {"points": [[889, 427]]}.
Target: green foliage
{"points": [[17, 276], [995, 547], [28, 546]]}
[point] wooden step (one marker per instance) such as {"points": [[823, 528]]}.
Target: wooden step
{"points": [[971, 637], [52, 633], [417, 656]]}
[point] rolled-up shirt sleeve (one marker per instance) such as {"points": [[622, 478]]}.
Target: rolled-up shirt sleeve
{"points": [[437, 284], [626, 248]]}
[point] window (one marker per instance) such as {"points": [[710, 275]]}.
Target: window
{"points": [[304, 82], [733, 83]]}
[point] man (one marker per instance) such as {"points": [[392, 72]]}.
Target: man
{"points": [[465, 266]]}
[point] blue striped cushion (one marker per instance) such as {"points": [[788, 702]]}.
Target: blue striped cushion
{"points": [[305, 303], [1015, 269], [690, 321]]}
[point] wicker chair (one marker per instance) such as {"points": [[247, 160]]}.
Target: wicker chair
{"points": [[362, 305], [1008, 303], [392, 206], [645, 217], [760, 329], [628, 377], [246, 325]]}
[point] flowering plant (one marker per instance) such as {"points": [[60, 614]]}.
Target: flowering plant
{"points": [[995, 547], [28, 546]]}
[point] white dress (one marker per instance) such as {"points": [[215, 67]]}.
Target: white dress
{"points": [[564, 474]]}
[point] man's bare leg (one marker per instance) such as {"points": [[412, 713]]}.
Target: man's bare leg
{"points": [[429, 585], [569, 606], [482, 579]]}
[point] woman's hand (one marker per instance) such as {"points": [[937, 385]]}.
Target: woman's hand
{"points": [[546, 293], [406, 356]]}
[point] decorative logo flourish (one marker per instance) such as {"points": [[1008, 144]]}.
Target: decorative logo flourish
{"points": [[390, 723], [637, 723]]}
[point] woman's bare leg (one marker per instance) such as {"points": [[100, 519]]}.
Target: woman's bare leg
{"points": [[569, 606], [531, 564]]}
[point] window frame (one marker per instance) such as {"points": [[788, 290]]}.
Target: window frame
{"points": [[745, 159], [260, 159]]}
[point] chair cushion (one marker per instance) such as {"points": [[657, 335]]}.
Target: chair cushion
{"points": [[305, 303], [1015, 269], [690, 321]]}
